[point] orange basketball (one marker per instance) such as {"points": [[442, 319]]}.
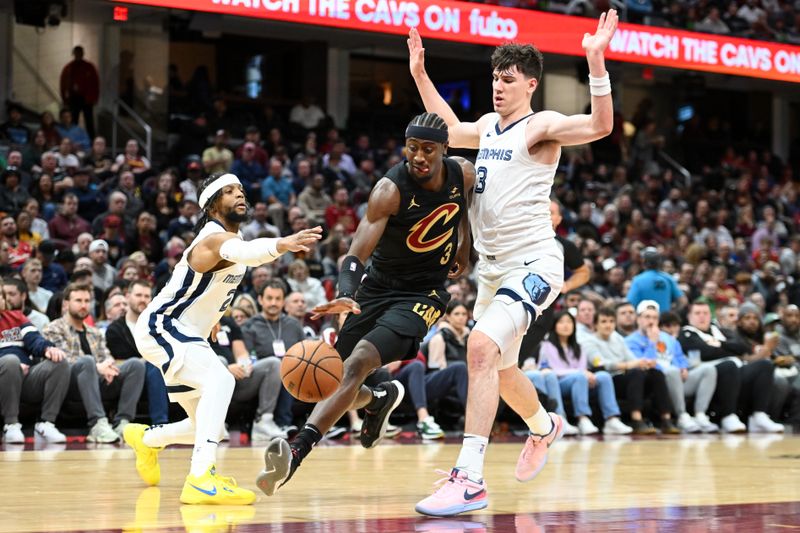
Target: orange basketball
{"points": [[311, 370]]}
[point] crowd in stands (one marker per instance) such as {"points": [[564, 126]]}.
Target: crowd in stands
{"points": [[767, 20], [710, 330]]}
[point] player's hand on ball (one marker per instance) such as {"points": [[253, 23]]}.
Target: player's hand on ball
{"points": [[606, 27], [334, 307], [416, 53], [299, 241]]}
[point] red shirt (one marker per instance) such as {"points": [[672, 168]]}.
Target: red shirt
{"points": [[80, 77], [17, 255], [345, 216], [67, 229]]}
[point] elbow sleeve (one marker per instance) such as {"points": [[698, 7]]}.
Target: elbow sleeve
{"points": [[250, 253]]}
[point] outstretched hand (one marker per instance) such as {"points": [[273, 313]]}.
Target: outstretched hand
{"points": [[335, 307], [299, 241], [606, 27], [416, 53]]}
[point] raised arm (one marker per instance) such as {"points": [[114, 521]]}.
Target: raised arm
{"points": [[384, 201], [581, 129], [462, 134]]}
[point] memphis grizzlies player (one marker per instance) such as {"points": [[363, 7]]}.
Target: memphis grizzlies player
{"points": [[521, 270], [171, 334]]}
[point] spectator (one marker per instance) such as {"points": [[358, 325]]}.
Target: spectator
{"points": [[99, 160], [131, 160], [253, 135], [278, 193], [103, 274], [341, 212], [15, 159], [306, 115], [12, 194], [48, 127], [260, 226], [585, 319], [194, 175], [91, 201], [67, 224], [16, 294], [119, 338], [24, 229], [31, 370], [269, 334], [300, 281], [94, 372], [187, 212], [625, 318], [251, 173], [54, 277], [664, 354], [145, 238], [750, 383], [313, 200], [115, 306], [655, 284], [80, 88], [18, 251], [32, 275], [296, 308], [562, 353], [13, 129], [218, 158], [713, 23], [240, 315], [259, 380], [70, 130]]}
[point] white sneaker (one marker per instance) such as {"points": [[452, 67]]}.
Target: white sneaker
{"points": [[759, 422], [48, 432], [732, 424], [586, 427], [226, 436], [12, 434], [615, 426], [706, 425], [356, 427], [265, 429], [102, 432], [428, 429], [568, 429], [687, 424], [119, 429]]}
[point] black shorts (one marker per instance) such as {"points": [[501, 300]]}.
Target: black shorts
{"points": [[408, 314]]}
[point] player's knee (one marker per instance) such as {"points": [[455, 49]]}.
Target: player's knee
{"points": [[482, 352], [357, 368]]}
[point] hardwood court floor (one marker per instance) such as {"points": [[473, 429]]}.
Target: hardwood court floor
{"points": [[704, 483]]}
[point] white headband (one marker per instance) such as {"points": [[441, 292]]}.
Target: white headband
{"points": [[216, 186]]}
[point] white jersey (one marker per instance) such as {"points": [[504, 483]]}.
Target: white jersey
{"points": [[192, 303], [511, 207]]}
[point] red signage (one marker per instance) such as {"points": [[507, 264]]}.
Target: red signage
{"points": [[120, 13], [491, 25]]}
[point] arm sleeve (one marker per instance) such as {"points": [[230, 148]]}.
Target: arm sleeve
{"points": [[251, 253]]}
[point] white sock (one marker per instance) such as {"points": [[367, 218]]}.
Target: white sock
{"points": [[176, 433], [204, 455], [470, 460], [209, 418], [540, 423]]}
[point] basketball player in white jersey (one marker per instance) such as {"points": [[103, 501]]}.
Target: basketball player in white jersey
{"points": [[520, 271], [171, 334]]}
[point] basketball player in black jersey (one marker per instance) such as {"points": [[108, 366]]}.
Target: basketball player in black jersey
{"points": [[417, 234]]}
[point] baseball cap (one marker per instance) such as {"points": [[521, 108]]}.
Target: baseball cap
{"points": [[98, 244], [644, 305]]}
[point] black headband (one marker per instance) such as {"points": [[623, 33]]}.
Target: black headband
{"points": [[426, 134]]}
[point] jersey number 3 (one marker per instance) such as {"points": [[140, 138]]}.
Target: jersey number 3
{"points": [[480, 186]]}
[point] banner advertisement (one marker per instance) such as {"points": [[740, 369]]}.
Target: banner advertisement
{"points": [[492, 25]]}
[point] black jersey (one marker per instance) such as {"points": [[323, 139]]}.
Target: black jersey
{"points": [[418, 246]]}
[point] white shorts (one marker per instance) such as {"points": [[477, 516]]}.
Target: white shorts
{"points": [[532, 276], [182, 356]]}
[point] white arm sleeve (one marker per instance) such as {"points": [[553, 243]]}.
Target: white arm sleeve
{"points": [[251, 253]]}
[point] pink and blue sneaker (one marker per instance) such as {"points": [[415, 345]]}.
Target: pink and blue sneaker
{"points": [[534, 454], [457, 494]]}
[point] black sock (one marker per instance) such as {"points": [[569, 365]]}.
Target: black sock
{"points": [[306, 439], [379, 396]]}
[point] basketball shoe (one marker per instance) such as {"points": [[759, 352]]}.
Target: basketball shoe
{"points": [[146, 457], [280, 464], [374, 427], [534, 454], [457, 494], [213, 489]]}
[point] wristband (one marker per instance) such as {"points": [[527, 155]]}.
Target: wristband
{"points": [[350, 277], [599, 86]]}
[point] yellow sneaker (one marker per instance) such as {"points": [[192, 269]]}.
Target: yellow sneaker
{"points": [[212, 489], [146, 457], [215, 518]]}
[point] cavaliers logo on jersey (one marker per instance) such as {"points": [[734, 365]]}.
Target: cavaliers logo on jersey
{"points": [[418, 239]]}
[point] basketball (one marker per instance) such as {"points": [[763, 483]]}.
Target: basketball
{"points": [[311, 370]]}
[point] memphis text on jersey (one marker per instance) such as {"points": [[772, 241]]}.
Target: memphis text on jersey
{"points": [[495, 154]]}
